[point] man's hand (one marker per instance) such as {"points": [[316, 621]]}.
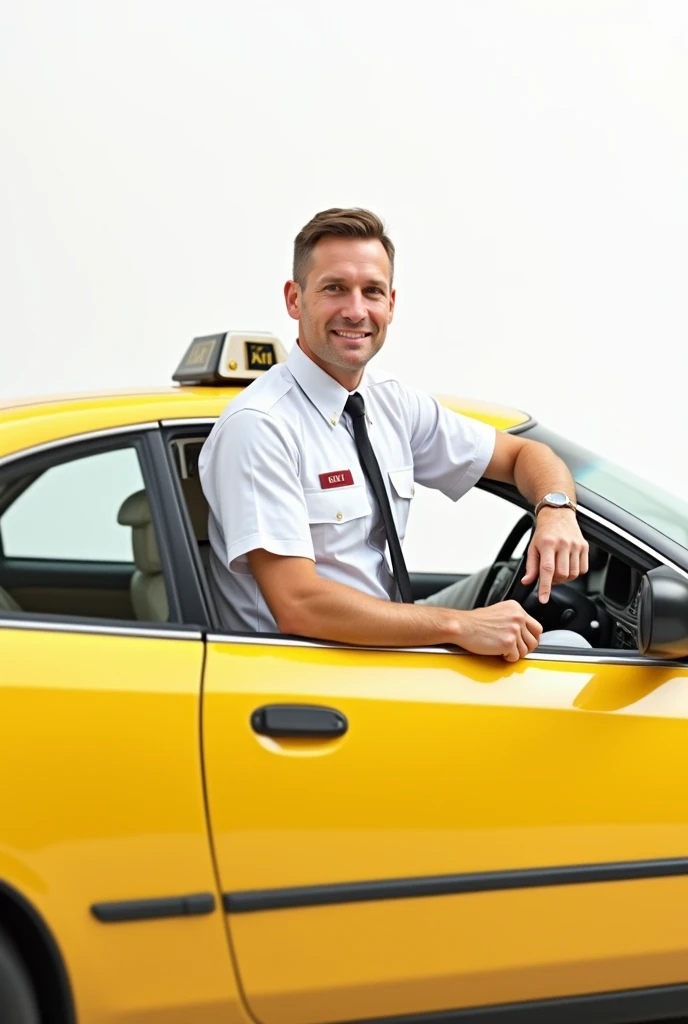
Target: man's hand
{"points": [[502, 628], [558, 552]]}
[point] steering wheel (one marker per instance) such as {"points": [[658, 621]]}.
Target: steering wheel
{"points": [[503, 581]]}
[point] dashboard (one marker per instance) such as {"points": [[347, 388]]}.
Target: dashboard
{"points": [[619, 598]]}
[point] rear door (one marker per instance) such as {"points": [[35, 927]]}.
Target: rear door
{"points": [[103, 829], [475, 833]]}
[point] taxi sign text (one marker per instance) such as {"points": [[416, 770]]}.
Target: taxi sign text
{"points": [[260, 355]]}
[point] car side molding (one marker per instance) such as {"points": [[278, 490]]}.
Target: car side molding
{"points": [[250, 901], [116, 911]]}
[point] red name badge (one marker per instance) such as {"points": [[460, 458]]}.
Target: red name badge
{"points": [[342, 478]]}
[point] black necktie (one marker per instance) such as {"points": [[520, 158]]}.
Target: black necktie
{"points": [[356, 409]]}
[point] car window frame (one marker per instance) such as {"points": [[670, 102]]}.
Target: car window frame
{"points": [[596, 523], [186, 600]]}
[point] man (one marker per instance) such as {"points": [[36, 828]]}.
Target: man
{"points": [[300, 513]]}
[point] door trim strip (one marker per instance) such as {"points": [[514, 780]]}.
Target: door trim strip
{"points": [[569, 655], [47, 626], [249, 901], [607, 524], [115, 911], [663, 1003]]}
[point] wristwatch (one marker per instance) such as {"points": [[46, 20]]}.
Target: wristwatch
{"points": [[555, 499]]}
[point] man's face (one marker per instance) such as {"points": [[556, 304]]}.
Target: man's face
{"points": [[345, 306]]}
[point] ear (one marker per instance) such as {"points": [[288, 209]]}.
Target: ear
{"points": [[292, 297], [392, 301]]}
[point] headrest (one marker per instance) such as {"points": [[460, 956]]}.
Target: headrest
{"points": [[135, 512], [197, 506]]}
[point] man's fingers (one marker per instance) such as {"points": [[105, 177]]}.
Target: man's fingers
{"points": [[529, 640], [546, 573], [517, 650], [532, 566], [530, 633], [524, 643], [574, 564], [561, 572], [533, 626], [562, 554]]}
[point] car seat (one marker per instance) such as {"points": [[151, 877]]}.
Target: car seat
{"points": [[147, 587]]}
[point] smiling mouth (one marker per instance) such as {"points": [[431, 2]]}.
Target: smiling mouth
{"points": [[352, 335]]}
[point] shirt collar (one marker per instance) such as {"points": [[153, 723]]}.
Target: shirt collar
{"points": [[328, 397]]}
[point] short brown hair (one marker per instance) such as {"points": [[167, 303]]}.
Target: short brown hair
{"points": [[351, 223]]}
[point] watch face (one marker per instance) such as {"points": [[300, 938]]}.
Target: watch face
{"points": [[556, 498]]}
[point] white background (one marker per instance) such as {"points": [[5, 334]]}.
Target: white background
{"points": [[530, 160]]}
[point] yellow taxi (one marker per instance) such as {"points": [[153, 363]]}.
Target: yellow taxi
{"points": [[200, 827]]}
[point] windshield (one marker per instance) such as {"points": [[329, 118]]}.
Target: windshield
{"points": [[665, 512]]}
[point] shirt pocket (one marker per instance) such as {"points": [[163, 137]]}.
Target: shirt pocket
{"points": [[402, 481], [337, 505], [402, 491]]}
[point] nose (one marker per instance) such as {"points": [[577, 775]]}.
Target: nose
{"points": [[354, 307]]}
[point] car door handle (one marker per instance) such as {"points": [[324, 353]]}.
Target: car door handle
{"points": [[298, 720]]}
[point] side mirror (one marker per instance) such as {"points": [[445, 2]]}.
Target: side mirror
{"points": [[663, 614]]}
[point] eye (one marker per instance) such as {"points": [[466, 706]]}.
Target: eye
{"points": [[375, 290], [331, 287]]}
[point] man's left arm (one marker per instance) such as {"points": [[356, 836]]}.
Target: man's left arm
{"points": [[558, 551]]}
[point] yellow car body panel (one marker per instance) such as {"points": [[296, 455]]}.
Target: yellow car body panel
{"points": [[452, 764], [102, 800]]}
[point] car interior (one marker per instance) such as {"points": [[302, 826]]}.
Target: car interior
{"points": [[601, 606]]}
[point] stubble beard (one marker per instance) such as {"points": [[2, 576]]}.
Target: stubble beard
{"points": [[321, 343]]}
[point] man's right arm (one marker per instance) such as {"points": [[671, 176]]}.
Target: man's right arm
{"points": [[304, 604]]}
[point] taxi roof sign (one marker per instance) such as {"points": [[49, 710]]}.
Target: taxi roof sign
{"points": [[234, 357]]}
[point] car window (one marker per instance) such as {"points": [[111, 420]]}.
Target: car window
{"points": [[70, 511], [457, 537], [77, 538]]}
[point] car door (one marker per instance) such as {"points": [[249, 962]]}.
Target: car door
{"points": [[450, 831], [102, 822]]}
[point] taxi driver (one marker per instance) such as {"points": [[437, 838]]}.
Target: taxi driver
{"points": [[309, 474]]}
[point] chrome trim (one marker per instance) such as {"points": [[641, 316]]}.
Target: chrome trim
{"points": [[604, 659], [275, 641], [192, 421], [83, 627], [591, 659], [633, 540], [270, 641], [90, 435], [543, 655]]}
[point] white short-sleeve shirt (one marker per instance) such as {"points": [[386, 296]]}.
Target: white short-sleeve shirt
{"points": [[280, 471]]}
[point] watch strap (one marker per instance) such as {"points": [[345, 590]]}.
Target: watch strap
{"points": [[544, 503]]}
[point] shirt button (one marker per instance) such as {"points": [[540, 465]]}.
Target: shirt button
{"points": [[413, 491], [340, 515], [333, 421]]}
